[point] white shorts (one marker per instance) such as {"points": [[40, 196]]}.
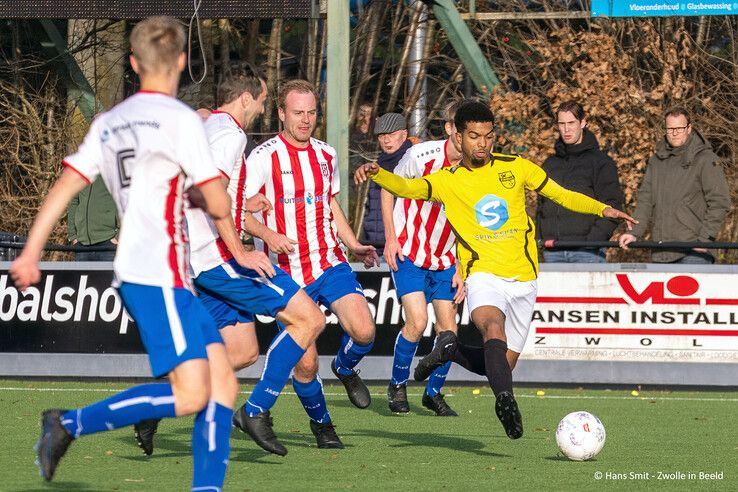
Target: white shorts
{"points": [[514, 298]]}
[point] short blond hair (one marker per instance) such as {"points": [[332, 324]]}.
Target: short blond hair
{"points": [[298, 85], [157, 42]]}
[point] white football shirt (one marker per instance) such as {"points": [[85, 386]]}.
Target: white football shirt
{"points": [[227, 144], [147, 150]]}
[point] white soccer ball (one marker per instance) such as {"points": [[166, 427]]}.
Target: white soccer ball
{"points": [[580, 436]]}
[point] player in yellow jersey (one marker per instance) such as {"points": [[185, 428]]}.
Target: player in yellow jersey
{"points": [[484, 199]]}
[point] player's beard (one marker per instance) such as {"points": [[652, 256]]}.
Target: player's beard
{"points": [[477, 162]]}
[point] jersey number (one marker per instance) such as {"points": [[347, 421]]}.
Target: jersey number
{"points": [[123, 157]]}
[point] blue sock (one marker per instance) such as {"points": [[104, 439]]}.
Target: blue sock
{"points": [[210, 447], [313, 399], [437, 379], [282, 356], [350, 354], [143, 402], [404, 353]]}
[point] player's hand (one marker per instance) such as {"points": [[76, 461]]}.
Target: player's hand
{"points": [[391, 249], [279, 243], [699, 250], [258, 203], [625, 240], [24, 272], [365, 172], [613, 213], [258, 261], [458, 284], [366, 254]]}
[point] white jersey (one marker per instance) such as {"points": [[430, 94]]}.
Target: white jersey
{"points": [[300, 183], [145, 148], [227, 144], [423, 232]]}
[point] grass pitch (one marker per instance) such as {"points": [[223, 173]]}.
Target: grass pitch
{"points": [[668, 440]]}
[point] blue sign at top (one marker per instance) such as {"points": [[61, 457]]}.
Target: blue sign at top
{"points": [[652, 8]]}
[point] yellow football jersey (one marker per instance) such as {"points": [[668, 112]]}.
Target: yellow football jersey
{"points": [[486, 209]]}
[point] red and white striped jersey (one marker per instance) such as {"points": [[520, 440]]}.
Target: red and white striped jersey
{"points": [[300, 183], [422, 230], [227, 144], [145, 149]]}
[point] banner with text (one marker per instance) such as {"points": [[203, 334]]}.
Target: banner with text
{"points": [[605, 316], [652, 8]]}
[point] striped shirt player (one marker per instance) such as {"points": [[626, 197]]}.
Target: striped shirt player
{"points": [[299, 174], [421, 226], [300, 183], [426, 275]]}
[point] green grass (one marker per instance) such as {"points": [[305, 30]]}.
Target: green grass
{"points": [[655, 432]]}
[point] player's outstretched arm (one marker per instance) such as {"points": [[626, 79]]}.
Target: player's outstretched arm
{"points": [[416, 189], [277, 243], [613, 213], [24, 270], [364, 253]]}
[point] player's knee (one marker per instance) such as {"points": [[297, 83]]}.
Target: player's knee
{"points": [[413, 330], [192, 400], [247, 356], [492, 329], [315, 321], [306, 369]]}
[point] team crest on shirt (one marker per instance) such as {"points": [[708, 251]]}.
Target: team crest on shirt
{"points": [[324, 168], [507, 178]]}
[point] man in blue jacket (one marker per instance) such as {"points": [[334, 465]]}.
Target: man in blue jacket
{"points": [[391, 131]]}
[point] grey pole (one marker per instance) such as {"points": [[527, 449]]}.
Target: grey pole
{"points": [[418, 113], [337, 86]]}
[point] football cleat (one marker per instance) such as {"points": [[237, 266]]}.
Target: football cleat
{"points": [[357, 391], [144, 432], [325, 435], [52, 444], [397, 398], [443, 351], [438, 404], [259, 427], [507, 411]]}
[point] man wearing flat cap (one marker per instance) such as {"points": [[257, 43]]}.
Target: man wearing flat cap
{"points": [[391, 132]]}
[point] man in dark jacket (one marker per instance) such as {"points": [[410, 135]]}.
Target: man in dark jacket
{"points": [[391, 131], [579, 165], [684, 194]]}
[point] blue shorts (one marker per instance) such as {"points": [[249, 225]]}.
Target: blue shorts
{"points": [[435, 284], [233, 294], [336, 282], [173, 324]]}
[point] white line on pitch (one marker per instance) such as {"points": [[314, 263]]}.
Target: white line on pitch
{"points": [[544, 397]]}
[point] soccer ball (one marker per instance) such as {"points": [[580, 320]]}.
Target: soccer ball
{"points": [[580, 436]]}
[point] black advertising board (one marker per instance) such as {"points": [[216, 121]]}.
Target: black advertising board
{"points": [[75, 310]]}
